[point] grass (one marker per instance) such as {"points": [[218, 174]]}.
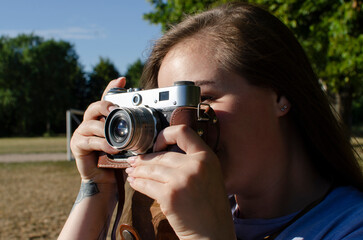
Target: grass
{"points": [[33, 145], [59, 144]]}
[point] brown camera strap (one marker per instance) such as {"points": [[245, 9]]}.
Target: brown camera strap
{"points": [[121, 199], [138, 216], [141, 217]]}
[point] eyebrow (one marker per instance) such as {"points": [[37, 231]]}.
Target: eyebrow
{"points": [[204, 82]]}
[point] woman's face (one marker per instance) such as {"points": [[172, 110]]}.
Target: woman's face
{"points": [[249, 126]]}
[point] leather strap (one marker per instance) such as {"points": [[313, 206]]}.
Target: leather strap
{"points": [[121, 200], [146, 215], [112, 161], [207, 126]]}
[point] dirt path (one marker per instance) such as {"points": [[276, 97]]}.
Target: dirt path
{"points": [[32, 157]]}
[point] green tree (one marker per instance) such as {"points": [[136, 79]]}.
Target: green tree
{"points": [[331, 32], [103, 72], [133, 74], [168, 13], [38, 82], [54, 72]]}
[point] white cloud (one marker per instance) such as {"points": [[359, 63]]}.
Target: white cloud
{"points": [[70, 33]]}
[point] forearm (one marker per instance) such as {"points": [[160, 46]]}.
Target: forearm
{"points": [[91, 213]]}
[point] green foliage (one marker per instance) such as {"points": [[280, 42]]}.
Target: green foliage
{"points": [[41, 79], [331, 32], [133, 74], [103, 72], [168, 13], [38, 82]]}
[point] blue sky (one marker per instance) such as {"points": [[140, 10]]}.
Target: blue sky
{"points": [[111, 28]]}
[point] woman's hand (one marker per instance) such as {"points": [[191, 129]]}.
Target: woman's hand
{"points": [[89, 139], [96, 200], [188, 186]]}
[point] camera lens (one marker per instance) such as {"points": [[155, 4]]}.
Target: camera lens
{"points": [[131, 129], [120, 129]]}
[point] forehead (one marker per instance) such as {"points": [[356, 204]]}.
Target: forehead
{"points": [[190, 60]]}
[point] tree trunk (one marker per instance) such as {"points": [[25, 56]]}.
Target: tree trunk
{"points": [[343, 105], [48, 128]]}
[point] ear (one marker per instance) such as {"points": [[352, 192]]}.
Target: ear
{"points": [[283, 106]]}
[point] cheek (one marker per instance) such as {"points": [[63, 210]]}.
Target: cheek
{"points": [[244, 120], [243, 128], [231, 119]]}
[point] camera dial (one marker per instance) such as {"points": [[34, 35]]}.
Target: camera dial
{"points": [[136, 99]]}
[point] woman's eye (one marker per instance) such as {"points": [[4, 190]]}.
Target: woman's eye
{"points": [[206, 98]]}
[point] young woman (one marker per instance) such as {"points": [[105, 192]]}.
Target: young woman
{"points": [[283, 158]]}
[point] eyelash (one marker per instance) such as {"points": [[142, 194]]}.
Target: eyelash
{"points": [[206, 98]]}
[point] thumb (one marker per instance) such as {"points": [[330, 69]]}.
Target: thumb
{"points": [[116, 83]]}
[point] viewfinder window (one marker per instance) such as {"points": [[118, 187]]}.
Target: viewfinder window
{"points": [[163, 96]]}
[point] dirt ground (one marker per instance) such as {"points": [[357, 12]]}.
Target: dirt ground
{"points": [[36, 198]]}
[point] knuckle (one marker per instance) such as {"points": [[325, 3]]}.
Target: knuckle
{"points": [[139, 183], [91, 107], [96, 110], [77, 144], [170, 193], [151, 170], [160, 157], [182, 128], [198, 167], [177, 129]]}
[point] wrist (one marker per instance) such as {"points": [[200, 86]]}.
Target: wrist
{"points": [[90, 190], [102, 187]]}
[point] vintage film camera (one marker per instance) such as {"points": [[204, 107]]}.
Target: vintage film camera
{"points": [[141, 114]]}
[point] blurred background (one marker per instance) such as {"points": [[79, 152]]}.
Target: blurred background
{"points": [[59, 55]]}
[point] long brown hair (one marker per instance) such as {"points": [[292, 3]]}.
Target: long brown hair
{"points": [[252, 42]]}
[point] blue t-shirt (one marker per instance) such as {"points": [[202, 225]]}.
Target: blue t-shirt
{"points": [[338, 216]]}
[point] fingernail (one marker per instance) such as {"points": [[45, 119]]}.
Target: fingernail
{"points": [[130, 179], [119, 79], [111, 108], [131, 160], [129, 170]]}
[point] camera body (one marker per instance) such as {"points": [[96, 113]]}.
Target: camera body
{"points": [[182, 93], [141, 114]]}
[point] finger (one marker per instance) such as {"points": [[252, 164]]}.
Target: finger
{"points": [[168, 159], [154, 172], [97, 110], [116, 83], [181, 135], [91, 128], [83, 145], [148, 187]]}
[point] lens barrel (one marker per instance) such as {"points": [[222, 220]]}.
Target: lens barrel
{"points": [[131, 129]]}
